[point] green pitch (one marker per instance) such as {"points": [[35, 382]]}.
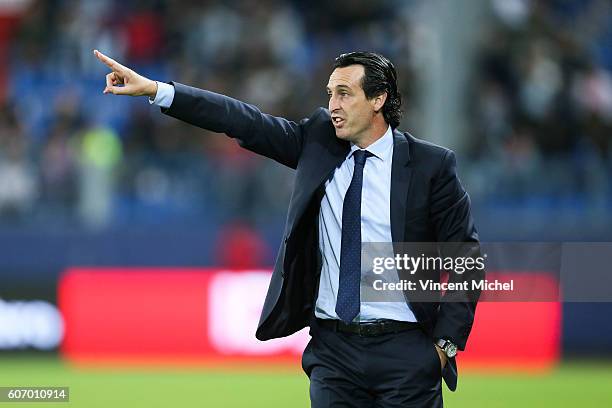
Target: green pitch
{"points": [[572, 385]]}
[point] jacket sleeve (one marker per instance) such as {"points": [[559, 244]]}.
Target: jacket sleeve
{"points": [[457, 237], [270, 136]]}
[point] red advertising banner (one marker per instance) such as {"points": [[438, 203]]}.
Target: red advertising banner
{"points": [[209, 316]]}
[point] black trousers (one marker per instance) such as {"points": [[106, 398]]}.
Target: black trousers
{"points": [[390, 370]]}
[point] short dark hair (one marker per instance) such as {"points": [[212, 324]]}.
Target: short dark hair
{"points": [[379, 77]]}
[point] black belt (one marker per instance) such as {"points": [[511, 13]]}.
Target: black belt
{"points": [[368, 329]]}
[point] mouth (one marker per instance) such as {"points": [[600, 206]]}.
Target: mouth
{"points": [[338, 121]]}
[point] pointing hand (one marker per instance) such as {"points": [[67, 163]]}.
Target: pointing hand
{"points": [[133, 83]]}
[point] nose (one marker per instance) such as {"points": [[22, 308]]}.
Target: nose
{"points": [[333, 103]]}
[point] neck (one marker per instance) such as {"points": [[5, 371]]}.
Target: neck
{"points": [[372, 134]]}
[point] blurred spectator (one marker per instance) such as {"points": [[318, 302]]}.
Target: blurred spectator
{"points": [[99, 154], [58, 169], [17, 180], [240, 247]]}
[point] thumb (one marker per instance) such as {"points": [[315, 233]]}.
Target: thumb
{"points": [[116, 90]]}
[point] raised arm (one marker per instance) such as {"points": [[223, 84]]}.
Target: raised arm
{"points": [[270, 136]]}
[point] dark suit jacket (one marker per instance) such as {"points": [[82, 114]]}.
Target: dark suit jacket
{"points": [[428, 204]]}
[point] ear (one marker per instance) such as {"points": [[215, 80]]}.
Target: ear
{"points": [[379, 101]]}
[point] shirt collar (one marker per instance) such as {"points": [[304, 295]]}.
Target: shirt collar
{"points": [[379, 148]]}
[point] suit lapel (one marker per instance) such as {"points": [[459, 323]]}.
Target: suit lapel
{"points": [[311, 176], [400, 184], [327, 163]]}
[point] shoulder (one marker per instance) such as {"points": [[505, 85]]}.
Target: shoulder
{"points": [[320, 115], [427, 153], [318, 125], [420, 147]]}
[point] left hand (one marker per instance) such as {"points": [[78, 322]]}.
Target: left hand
{"points": [[443, 357]]}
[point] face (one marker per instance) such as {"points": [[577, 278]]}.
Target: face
{"points": [[352, 113]]}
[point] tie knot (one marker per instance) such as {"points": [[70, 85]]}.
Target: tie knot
{"points": [[360, 156]]}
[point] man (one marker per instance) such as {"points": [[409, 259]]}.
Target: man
{"points": [[358, 179]]}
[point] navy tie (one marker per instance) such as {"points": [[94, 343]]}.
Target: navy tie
{"points": [[348, 302]]}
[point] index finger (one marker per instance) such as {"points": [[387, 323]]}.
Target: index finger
{"points": [[111, 63]]}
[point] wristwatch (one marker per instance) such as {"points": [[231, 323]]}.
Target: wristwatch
{"points": [[448, 347]]}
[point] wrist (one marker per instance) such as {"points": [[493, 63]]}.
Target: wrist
{"points": [[447, 347], [152, 89]]}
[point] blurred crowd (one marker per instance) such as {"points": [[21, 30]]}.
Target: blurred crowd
{"points": [[539, 101], [77, 155], [542, 101]]}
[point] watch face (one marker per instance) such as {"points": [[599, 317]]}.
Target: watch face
{"points": [[451, 350]]}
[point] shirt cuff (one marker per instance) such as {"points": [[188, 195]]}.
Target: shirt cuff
{"points": [[164, 95]]}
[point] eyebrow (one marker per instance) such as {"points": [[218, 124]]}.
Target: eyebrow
{"points": [[339, 87]]}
